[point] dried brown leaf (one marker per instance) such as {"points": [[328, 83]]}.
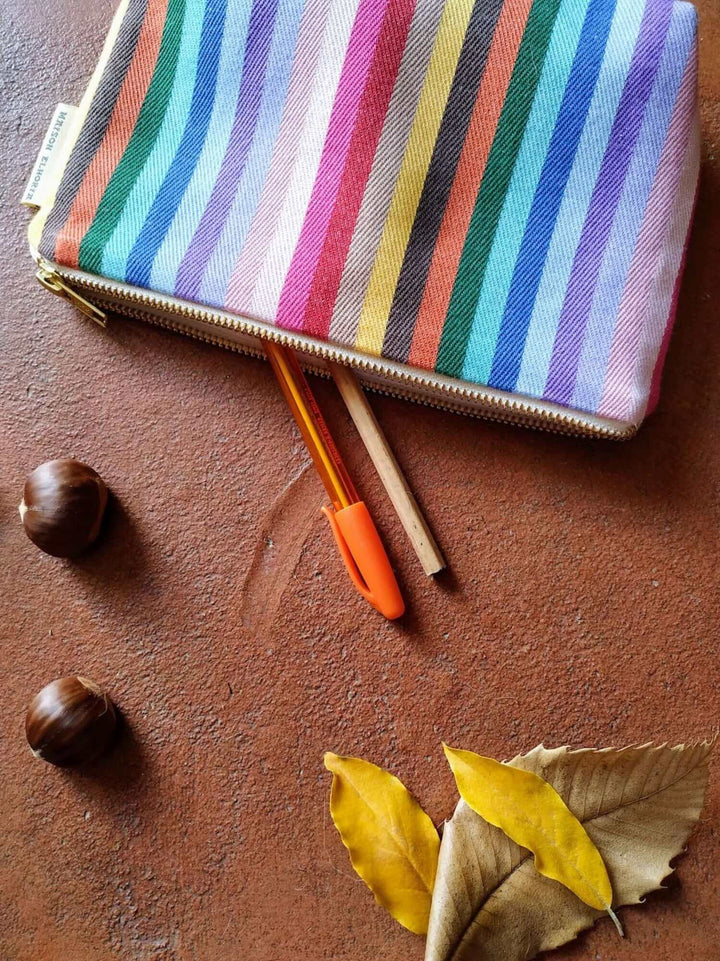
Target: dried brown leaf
{"points": [[638, 805]]}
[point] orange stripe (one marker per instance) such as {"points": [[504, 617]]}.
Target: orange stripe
{"points": [[468, 177], [117, 137]]}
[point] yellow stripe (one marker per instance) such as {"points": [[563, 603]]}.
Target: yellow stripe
{"points": [[406, 197], [37, 224]]}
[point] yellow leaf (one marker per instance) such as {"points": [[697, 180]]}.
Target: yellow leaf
{"points": [[638, 804], [392, 842], [533, 814]]}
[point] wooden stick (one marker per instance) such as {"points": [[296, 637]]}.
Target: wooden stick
{"points": [[389, 470]]}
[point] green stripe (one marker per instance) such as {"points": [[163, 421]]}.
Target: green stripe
{"points": [[494, 186], [141, 143]]}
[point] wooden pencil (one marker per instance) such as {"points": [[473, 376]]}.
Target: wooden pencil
{"points": [[390, 472]]}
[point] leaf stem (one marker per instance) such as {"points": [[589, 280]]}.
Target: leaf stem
{"points": [[615, 920]]}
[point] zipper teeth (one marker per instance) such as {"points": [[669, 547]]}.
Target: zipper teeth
{"points": [[503, 410], [398, 393]]}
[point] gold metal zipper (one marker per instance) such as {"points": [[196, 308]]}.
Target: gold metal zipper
{"points": [[52, 281], [403, 384]]}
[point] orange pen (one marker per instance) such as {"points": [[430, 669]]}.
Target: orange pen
{"points": [[355, 533]]}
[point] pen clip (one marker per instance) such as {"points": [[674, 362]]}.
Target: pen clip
{"points": [[364, 557]]}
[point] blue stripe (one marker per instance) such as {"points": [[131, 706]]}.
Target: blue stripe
{"points": [[577, 197], [548, 198], [526, 175], [181, 169], [139, 201], [197, 194], [250, 185], [592, 366]]}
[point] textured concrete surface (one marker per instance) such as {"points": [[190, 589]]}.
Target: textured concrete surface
{"points": [[582, 607]]}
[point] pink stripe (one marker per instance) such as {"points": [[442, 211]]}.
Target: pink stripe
{"points": [[654, 396], [660, 363], [358, 166], [619, 397], [356, 67], [308, 46]]}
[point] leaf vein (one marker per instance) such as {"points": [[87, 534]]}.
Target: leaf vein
{"points": [[452, 956]]}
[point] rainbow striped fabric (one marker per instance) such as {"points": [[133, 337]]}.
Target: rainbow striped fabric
{"points": [[496, 190]]}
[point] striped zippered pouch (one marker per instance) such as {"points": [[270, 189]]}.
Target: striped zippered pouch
{"points": [[482, 202]]}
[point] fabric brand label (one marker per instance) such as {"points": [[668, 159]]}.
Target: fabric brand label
{"points": [[41, 177]]}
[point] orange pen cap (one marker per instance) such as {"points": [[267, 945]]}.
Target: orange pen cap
{"points": [[364, 557]]}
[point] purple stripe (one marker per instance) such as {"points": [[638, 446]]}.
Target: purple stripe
{"points": [[606, 196], [192, 267]]}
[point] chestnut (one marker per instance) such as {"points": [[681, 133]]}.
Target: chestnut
{"points": [[70, 722], [62, 507]]}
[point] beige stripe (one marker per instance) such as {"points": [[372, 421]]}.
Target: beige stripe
{"points": [[385, 170], [408, 189], [37, 224]]}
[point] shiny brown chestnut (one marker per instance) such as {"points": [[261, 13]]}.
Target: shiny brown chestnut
{"points": [[70, 722], [62, 507]]}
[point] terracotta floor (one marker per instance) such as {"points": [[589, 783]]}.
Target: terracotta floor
{"points": [[582, 608]]}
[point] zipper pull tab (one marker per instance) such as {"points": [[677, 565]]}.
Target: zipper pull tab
{"points": [[53, 282]]}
